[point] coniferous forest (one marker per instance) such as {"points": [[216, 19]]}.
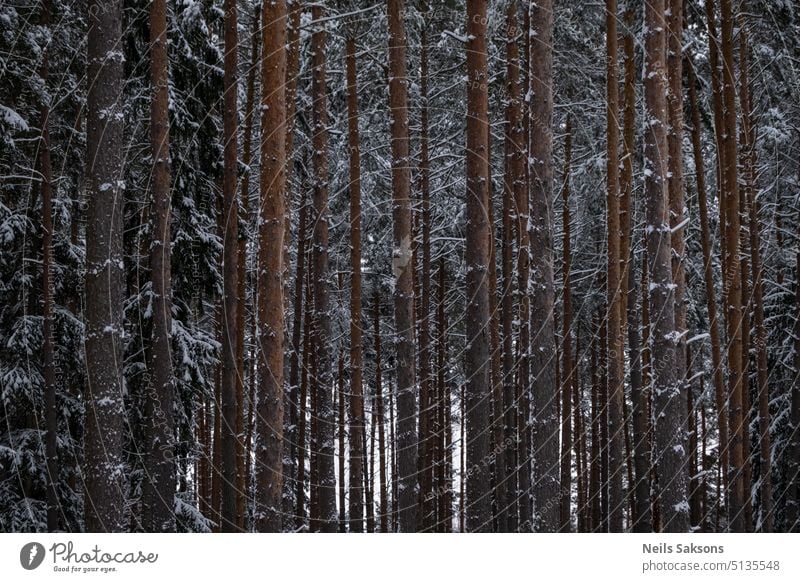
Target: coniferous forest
{"points": [[401, 265]]}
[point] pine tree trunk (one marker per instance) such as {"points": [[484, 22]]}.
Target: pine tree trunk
{"points": [[445, 448], [300, 485], [230, 356], [158, 489], [294, 11], [105, 422], [524, 254], [427, 384], [384, 494], [568, 374], [675, 187], [322, 314], [641, 518], [478, 255], [543, 348], [241, 314], [402, 269], [356, 350], [594, 473], [616, 339], [668, 458], [271, 231], [793, 452], [512, 216], [341, 434], [733, 304]]}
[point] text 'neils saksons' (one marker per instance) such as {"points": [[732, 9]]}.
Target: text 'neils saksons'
{"points": [[664, 548]]}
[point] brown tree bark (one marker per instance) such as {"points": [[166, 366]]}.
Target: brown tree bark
{"points": [[542, 330], [341, 434], [478, 255], [230, 355], [733, 305], [568, 374], [427, 383], [158, 490], [300, 484], [322, 315], [445, 482], [793, 493], [616, 338], [675, 187], [669, 428], [523, 494], [514, 194], [271, 232], [379, 419], [594, 473], [294, 11], [402, 269], [105, 422], [640, 487], [241, 293], [356, 350]]}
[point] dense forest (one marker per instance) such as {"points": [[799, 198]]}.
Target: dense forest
{"points": [[397, 266]]}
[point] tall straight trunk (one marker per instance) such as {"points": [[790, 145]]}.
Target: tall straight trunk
{"points": [[762, 386], [297, 378], [230, 355], [300, 484], [445, 485], [48, 351], [524, 500], [708, 268], [793, 453], [402, 269], [594, 473], [695, 515], [271, 232], [675, 188], [294, 10], [604, 428], [313, 441], [158, 489], [379, 416], [579, 442], [356, 350], [641, 518], [669, 428], [105, 423], [341, 437], [616, 338], [369, 472], [478, 255], [322, 314], [716, 92], [512, 215], [733, 305], [568, 374], [543, 348], [427, 382], [393, 442], [241, 292]]}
